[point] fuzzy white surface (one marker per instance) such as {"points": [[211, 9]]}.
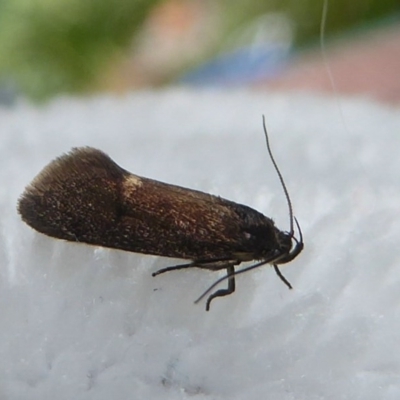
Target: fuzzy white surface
{"points": [[81, 322]]}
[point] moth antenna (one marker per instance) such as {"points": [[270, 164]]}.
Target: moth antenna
{"points": [[280, 178]]}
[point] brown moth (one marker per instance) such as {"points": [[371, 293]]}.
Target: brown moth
{"points": [[84, 196]]}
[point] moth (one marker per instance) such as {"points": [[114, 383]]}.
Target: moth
{"points": [[84, 196]]}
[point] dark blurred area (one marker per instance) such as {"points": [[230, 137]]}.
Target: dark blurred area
{"points": [[49, 48]]}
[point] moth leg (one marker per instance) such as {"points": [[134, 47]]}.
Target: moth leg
{"points": [[224, 292], [281, 277], [173, 268], [213, 265]]}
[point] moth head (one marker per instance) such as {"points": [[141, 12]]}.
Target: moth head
{"points": [[289, 247], [284, 240]]}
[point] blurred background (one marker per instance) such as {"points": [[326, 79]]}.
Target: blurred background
{"points": [[48, 47]]}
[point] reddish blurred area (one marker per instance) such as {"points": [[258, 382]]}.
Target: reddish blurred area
{"points": [[175, 34], [367, 65]]}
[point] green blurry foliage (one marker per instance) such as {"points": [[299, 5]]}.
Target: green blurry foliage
{"points": [[50, 46], [306, 14]]}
